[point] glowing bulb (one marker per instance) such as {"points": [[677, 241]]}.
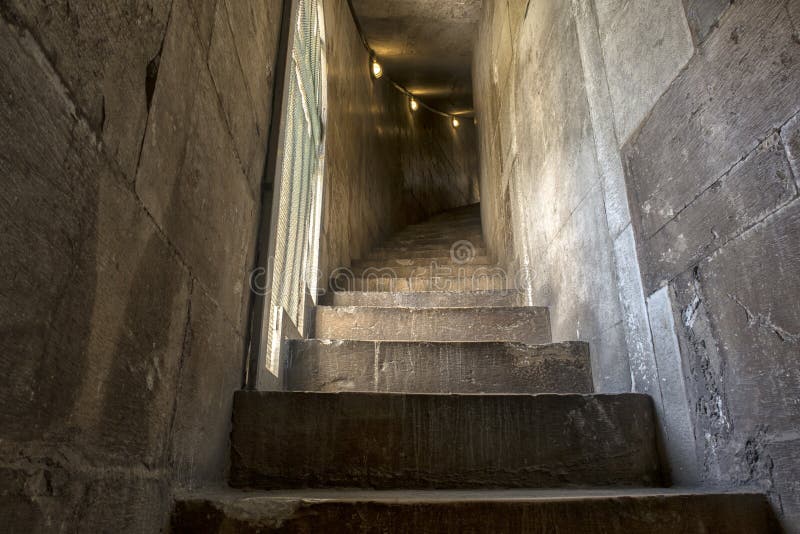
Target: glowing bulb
{"points": [[377, 70], [414, 104], [456, 123]]}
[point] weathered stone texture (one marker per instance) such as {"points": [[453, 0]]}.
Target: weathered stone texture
{"points": [[703, 16], [790, 135], [121, 317], [190, 179], [454, 512], [102, 51], [741, 340], [714, 198], [752, 190], [542, 197], [427, 299], [645, 44], [472, 367], [211, 372], [524, 325], [699, 130], [290, 440]]}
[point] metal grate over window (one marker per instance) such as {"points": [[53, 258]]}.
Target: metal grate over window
{"points": [[296, 239]]}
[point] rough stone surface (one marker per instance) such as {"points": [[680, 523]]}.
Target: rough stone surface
{"points": [[714, 201], [105, 53], [120, 327], [428, 299], [378, 440], [703, 16], [672, 403], [645, 45], [540, 512], [745, 412], [545, 209], [749, 192], [524, 325], [190, 179], [790, 134], [754, 52], [333, 366]]}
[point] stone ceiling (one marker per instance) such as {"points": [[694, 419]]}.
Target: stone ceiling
{"points": [[425, 45]]}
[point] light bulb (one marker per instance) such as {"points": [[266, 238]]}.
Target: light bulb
{"points": [[456, 123], [377, 70], [414, 104]]}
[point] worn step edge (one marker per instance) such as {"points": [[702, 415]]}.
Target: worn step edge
{"points": [[409, 262], [521, 324], [392, 441], [627, 511], [438, 367], [426, 299]]}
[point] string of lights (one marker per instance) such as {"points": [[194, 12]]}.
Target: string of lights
{"points": [[376, 70]]}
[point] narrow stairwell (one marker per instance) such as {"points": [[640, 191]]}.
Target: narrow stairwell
{"points": [[431, 400]]}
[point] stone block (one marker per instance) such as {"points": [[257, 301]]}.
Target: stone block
{"points": [[453, 512], [211, 372], [249, 137], [381, 441], [426, 299], [698, 131], [703, 16], [333, 366], [645, 45], [756, 318], [190, 179], [102, 50], [97, 300], [790, 135], [752, 190], [524, 325]]}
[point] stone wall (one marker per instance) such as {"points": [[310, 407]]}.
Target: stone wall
{"points": [[713, 181], [541, 184], [691, 112], [386, 167], [132, 144]]}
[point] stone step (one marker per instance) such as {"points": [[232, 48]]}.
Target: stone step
{"points": [[479, 282], [381, 253], [334, 366], [431, 269], [417, 241], [410, 262], [441, 230], [426, 299], [399, 441], [585, 511], [520, 324]]}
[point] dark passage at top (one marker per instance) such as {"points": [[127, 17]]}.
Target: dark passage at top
{"points": [[425, 45]]}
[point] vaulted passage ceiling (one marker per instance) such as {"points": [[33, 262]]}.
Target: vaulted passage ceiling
{"points": [[425, 45]]}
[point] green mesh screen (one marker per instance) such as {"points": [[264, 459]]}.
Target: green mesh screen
{"points": [[294, 266]]}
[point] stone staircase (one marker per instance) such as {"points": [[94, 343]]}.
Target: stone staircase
{"points": [[431, 400]]}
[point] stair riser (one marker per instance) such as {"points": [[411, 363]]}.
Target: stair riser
{"points": [[732, 514], [476, 240], [431, 269], [439, 367], [382, 253], [291, 440], [392, 263], [427, 299], [400, 284], [521, 325]]}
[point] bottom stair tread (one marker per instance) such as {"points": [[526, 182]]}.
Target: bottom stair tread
{"points": [[651, 510]]}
